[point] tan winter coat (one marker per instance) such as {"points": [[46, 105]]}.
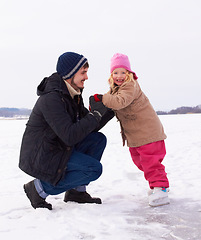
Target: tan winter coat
{"points": [[139, 122]]}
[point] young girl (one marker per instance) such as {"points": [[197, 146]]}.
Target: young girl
{"points": [[140, 126]]}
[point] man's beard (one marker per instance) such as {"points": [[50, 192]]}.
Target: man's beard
{"points": [[75, 86]]}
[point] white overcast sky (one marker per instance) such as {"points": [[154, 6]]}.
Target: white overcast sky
{"points": [[161, 37]]}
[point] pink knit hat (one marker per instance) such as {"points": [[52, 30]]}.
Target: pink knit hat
{"points": [[121, 61]]}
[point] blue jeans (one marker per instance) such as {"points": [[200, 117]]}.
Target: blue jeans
{"points": [[83, 166]]}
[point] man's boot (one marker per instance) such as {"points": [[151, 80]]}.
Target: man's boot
{"points": [[36, 200], [80, 197]]}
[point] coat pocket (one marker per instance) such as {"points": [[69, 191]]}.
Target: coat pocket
{"points": [[49, 157]]}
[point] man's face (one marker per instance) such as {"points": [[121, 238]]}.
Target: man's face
{"points": [[77, 81]]}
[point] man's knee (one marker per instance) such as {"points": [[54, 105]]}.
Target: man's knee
{"points": [[100, 137]]}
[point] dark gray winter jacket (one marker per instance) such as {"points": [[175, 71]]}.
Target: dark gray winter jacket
{"points": [[56, 124]]}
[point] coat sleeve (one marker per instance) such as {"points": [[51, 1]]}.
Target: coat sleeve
{"points": [[105, 119], [55, 114], [122, 98]]}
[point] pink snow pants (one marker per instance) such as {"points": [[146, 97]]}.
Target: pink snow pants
{"points": [[148, 159]]}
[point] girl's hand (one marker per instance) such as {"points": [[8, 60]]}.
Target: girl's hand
{"points": [[98, 97]]}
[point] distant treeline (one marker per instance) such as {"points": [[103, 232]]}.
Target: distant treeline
{"points": [[14, 112], [17, 112], [182, 110]]}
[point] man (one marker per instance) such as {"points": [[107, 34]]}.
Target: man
{"points": [[61, 146]]}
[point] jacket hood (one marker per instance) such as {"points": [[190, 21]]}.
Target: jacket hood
{"points": [[50, 84]]}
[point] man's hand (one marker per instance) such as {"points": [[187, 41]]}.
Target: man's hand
{"points": [[97, 106]]}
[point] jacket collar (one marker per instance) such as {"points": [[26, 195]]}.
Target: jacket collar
{"points": [[71, 90]]}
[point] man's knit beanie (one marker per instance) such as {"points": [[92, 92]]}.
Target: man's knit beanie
{"points": [[69, 63]]}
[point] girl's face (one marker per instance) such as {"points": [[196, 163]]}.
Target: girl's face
{"points": [[119, 76]]}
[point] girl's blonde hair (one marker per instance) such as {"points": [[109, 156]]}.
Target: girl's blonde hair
{"points": [[129, 77]]}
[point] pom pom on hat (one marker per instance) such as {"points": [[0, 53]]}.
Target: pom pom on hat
{"points": [[69, 63], [121, 61]]}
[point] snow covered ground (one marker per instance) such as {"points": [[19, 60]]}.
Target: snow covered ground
{"points": [[125, 213]]}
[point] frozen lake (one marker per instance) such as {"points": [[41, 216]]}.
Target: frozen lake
{"points": [[125, 213]]}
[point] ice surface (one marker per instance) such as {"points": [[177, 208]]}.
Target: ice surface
{"points": [[125, 213]]}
